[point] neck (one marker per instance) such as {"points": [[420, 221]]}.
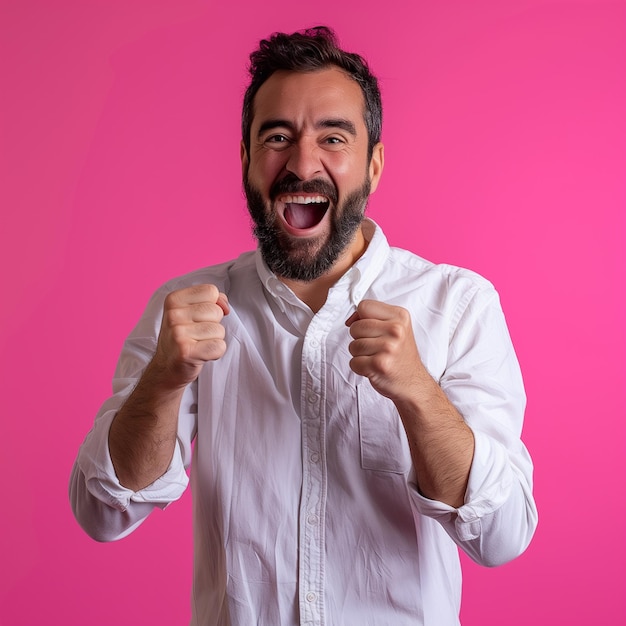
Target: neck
{"points": [[315, 292]]}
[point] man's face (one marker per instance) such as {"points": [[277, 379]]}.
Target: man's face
{"points": [[307, 177]]}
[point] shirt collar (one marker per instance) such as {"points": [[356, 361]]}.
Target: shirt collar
{"points": [[356, 281], [370, 264]]}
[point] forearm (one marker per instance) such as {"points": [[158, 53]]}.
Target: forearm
{"points": [[441, 443], [499, 516], [142, 436], [104, 507]]}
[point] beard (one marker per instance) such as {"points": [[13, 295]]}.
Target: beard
{"points": [[305, 259]]}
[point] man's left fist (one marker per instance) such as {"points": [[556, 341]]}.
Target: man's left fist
{"points": [[384, 350]]}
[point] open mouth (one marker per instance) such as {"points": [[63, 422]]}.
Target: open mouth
{"points": [[304, 212]]}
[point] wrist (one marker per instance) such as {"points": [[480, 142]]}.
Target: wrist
{"points": [[163, 380]]}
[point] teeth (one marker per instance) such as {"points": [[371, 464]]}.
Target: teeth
{"points": [[303, 199]]}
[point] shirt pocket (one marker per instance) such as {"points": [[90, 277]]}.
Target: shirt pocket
{"points": [[384, 446]]}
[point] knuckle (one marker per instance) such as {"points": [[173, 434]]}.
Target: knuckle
{"points": [[178, 334], [382, 363], [211, 292], [396, 330], [171, 317], [170, 300], [404, 315]]}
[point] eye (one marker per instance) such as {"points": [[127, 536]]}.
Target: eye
{"points": [[276, 139], [333, 142]]}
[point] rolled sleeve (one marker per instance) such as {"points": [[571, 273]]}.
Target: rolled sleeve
{"points": [[94, 462], [483, 381], [93, 482]]}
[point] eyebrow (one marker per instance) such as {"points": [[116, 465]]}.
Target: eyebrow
{"points": [[340, 123]]}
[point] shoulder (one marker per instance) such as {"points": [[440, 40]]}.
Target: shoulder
{"points": [[440, 291], [442, 298], [409, 266], [397, 270]]}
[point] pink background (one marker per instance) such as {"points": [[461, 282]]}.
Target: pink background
{"points": [[505, 137]]}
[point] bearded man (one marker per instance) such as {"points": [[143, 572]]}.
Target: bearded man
{"points": [[356, 410]]}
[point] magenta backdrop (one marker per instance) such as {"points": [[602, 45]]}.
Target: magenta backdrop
{"points": [[505, 137]]}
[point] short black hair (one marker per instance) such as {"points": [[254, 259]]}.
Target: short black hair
{"points": [[307, 51]]}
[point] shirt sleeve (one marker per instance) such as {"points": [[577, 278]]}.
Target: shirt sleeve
{"points": [[483, 380], [103, 507]]}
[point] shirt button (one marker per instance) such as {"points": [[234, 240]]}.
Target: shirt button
{"points": [[312, 398], [312, 519], [314, 458], [314, 343], [310, 597]]}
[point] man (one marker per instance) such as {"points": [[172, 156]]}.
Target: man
{"points": [[356, 410]]}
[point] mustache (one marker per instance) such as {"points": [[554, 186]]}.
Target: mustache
{"points": [[291, 184]]}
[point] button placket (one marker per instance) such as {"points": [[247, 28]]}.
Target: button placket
{"points": [[313, 501]]}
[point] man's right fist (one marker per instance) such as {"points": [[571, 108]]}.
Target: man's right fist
{"points": [[191, 333]]}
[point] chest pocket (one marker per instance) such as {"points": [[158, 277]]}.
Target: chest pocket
{"points": [[384, 446]]}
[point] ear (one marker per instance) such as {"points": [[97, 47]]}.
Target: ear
{"points": [[243, 155], [376, 165]]}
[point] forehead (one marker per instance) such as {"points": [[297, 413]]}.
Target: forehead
{"points": [[301, 96]]}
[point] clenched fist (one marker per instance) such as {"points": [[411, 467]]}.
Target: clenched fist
{"points": [[384, 350], [191, 333]]}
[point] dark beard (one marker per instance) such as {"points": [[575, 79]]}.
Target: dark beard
{"points": [[296, 259]]}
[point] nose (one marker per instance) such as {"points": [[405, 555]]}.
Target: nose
{"points": [[304, 159]]}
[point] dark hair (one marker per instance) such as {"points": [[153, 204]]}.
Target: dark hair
{"points": [[307, 51]]}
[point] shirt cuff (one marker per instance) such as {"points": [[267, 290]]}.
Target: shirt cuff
{"points": [[488, 488], [95, 463]]}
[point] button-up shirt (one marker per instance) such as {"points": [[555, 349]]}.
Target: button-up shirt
{"points": [[306, 509]]}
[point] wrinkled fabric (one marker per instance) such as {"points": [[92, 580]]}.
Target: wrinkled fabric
{"points": [[305, 506]]}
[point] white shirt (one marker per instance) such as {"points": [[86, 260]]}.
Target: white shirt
{"points": [[305, 504]]}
